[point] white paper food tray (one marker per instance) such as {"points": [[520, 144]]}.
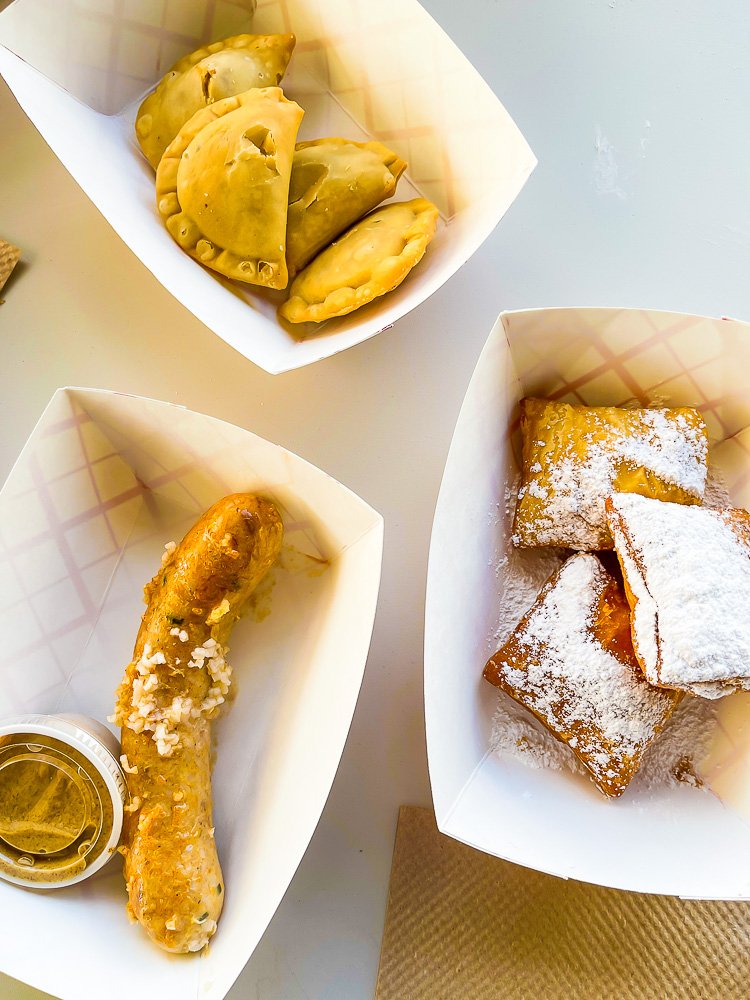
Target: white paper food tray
{"points": [[676, 839], [363, 70], [104, 481]]}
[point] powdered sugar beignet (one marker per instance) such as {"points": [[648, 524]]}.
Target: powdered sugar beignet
{"points": [[575, 456], [370, 259], [570, 662], [210, 74], [687, 577]]}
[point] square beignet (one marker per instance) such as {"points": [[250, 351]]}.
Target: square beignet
{"points": [[687, 578], [570, 662], [575, 456]]}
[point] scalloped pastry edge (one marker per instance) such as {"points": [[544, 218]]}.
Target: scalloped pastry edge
{"points": [[391, 271], [192, 59], [183, 230]]}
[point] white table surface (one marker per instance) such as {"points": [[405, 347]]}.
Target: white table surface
{"points": [[637, 111]]}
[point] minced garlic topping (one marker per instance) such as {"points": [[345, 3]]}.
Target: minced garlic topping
{"points": [[168, 552], [211, 656], [148, 715], [126, 765]]}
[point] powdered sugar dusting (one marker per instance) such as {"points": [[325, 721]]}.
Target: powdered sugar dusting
{"points": [[593, 698], [515, 732], [644, 613], [675, 755], [568, 676], [716, 494], [689, 567], [521, 574], [669, 445], [581, 455], [672, 759], [524, 573]]}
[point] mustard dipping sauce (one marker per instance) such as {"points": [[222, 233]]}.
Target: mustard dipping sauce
{"points": [[56, 813]]}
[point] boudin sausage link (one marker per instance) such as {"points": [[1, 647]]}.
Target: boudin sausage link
{"points": [[173, 687]]}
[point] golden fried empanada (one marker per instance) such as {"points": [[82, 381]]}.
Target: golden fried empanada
{"points": [[370, 259], [570, 662], [574, 457], [687, 577], [334, 183], [222, 185], [221, 70]]}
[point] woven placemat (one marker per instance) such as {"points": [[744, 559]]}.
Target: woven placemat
{"points": [[9, 256], [462, 925]]}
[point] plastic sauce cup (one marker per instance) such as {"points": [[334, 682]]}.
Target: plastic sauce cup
{"points": [[62, 796]]}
